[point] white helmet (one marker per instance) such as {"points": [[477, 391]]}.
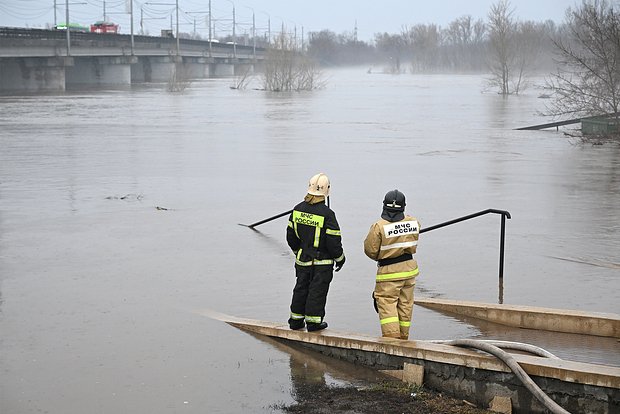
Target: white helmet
{"points": [[319, 185]]}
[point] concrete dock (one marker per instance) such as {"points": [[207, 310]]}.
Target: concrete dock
{"points": [[477, 377]]}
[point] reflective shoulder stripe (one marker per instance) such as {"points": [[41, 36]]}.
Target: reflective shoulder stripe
{"points": [[405, 323], [333, 232], [290, 224], [399, 245], [399, 275], [314, 220], [392, 319]]}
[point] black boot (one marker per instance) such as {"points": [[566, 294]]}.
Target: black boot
{"points": [[316, 326], [296, 324]]}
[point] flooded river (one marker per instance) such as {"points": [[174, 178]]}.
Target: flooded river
{"points": [[119, 213]]}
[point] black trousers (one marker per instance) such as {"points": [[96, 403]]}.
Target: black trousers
{"points": [[310, 292]]}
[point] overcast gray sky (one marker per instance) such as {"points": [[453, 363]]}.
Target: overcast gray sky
{"points": [[313, 15]]}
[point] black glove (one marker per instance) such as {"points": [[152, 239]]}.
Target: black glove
{"points": [[340, 264]]}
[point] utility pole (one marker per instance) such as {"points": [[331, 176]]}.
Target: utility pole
{"points": [[253, 36], [67, 28], [178, 44], [105, 18], [234, 33], [210, 38], [131, 25], [55, 22]]}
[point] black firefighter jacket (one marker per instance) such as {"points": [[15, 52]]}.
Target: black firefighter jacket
{"points": [[313, 234]]}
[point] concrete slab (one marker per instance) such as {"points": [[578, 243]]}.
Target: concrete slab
{"points": [[531, 317]]}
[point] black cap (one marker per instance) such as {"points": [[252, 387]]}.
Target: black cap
{"points": [[393, 206]]}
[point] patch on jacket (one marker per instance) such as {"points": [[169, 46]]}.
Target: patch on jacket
{"points": [[400, 228]]}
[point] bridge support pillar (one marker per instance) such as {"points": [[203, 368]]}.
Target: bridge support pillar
{"points": [[33, 74], [223, 69], [158, 69], [195, 68], [100, 71]]}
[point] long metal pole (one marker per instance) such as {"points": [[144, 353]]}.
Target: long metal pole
{"points": [[178, 44], [55, 21], [253, 36], [131, 24], [267, 219], [67, 28], [105, 18], [234, 33], [210, 38]]}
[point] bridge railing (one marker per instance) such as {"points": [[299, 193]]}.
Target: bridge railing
{"points": [[7, 34]]}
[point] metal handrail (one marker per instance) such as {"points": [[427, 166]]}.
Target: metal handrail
{"points": [[505, 215]]}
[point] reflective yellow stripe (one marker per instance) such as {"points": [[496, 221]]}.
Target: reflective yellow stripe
{"points": [[333, 232], [317, 236], [405, 323], [390, 276], [296, 316], [339, 259], [295, 228], [392, 319], [314, 262], [290, 224], [313, 319]]}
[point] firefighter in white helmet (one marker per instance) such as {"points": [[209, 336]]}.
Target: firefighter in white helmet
{"points": [[392, 242], [313, 234]]}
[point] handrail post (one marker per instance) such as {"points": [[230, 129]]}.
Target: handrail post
{"points": [[501, 247]]}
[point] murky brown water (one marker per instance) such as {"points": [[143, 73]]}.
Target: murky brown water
{"points": [[98, 291]]}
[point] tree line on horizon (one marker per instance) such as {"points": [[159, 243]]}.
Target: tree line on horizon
{"points": [[463, 45], [581, 56]]}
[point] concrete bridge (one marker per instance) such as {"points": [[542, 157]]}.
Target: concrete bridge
{"points": [[35, 60]]}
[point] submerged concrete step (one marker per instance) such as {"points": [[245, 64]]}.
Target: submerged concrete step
{"points": [[530, 317]]}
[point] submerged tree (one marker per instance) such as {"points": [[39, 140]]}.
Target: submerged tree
{"points": [[287, 69], [588, 79], [502, 29]]}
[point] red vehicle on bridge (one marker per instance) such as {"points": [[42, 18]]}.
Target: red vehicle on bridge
{"points": [[104, 27]]}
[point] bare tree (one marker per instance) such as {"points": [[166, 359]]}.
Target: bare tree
{"points": [[423, 42], [588, 79], [463, 43], [502, 28], [288, 70], [529, 39]]}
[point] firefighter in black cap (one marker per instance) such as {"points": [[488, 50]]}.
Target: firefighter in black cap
{"points": [[392, 242]]}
